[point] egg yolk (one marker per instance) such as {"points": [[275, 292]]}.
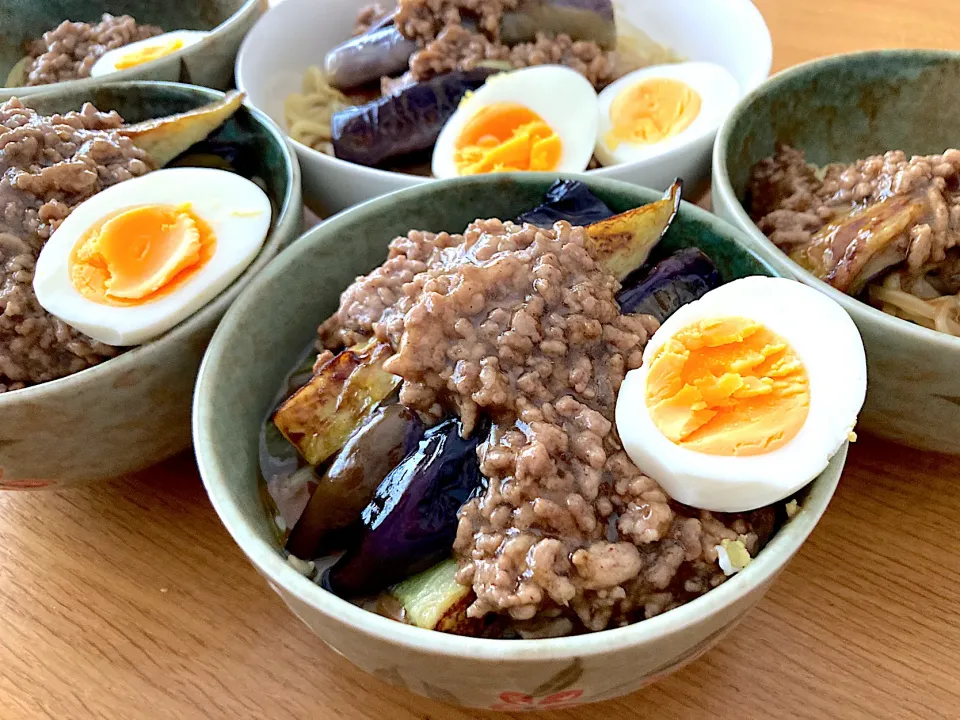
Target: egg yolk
{"points": [[728, 386], [652, 111], [148, 54], [506, 138], [140, 254]]}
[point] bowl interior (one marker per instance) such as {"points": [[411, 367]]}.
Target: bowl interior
{"points": [[275, 319], [848, 107], [298, 33], [23, 21]]}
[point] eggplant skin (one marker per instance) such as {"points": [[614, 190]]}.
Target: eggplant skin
{"points": [[411, 523], [379, 52], [683, 277], [340, 496], [404, 123], [568, 200], [580, 19]]}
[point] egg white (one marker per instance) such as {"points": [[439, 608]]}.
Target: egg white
{"points": [[107, 63], [718, 90], [564, 99], [237, 211], [827, 343]]}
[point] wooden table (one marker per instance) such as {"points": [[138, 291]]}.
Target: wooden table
{"points": [[128, 600]]}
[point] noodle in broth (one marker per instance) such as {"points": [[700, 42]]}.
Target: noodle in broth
{"points": [[940, 312], [309, 112]]}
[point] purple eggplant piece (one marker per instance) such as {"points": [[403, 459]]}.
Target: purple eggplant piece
{"points": [[568, 200], [683, 277], [391, 433], [411, 523], [580, 19], [400, 124], [381, 23], [368, 57]]}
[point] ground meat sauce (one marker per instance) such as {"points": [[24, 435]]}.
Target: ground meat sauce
{"points": [[791, 201], [48, 166], [368, 18], [521, 325], [70, 50], [461, 34], [456, 48], [423, 20]]}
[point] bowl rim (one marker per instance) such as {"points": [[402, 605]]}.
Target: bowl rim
{"points": [[400, 180], [265, 557], [723, 187], [289, 204], [130, 74]]}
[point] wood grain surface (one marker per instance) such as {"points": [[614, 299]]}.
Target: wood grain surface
{"points": [[128, 600]]}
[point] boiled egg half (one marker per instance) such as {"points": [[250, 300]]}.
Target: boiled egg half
{"points": [[654, 110], [537, 119], [744, 395], [144, 51], [136, 259]]}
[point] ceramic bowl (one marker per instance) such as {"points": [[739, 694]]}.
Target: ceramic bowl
{"points": [[840, 109], [134, 410], [264, 335], [208, 63], [296, 34]]}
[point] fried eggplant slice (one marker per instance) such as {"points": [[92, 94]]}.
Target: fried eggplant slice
{"points": [[18, 73], [411, 522], [389, 435], [591, 20], [167, 137], [624, 242], [434, 600], [855, 249], [322, 415]]}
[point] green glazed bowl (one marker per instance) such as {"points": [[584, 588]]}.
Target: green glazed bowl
{"points": [[840, 109], [208, 63], [134, 410], [262, 338]]}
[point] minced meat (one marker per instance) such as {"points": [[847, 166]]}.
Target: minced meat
{"points": [[448, 44], [521, 325], [369, 17], [423, 20], [456, 48], [791, 201], [69, 51], [48, 166]]}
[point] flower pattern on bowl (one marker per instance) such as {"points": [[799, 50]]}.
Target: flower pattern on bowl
{"points": [[24, 484], [512, 701]]}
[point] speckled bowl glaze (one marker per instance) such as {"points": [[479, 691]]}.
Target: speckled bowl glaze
{"points": [[134, 410], [840, 109], [208, 63], [263, 336]]}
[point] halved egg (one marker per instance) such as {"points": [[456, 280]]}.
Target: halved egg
{"points": [[744, 395], [653, 110], [144, 51], [138, 258], [537, 119]]}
